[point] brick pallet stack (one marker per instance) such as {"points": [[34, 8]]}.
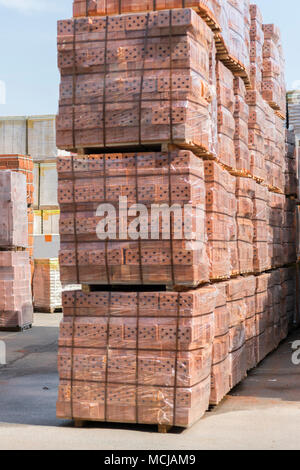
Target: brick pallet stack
{"points": [[166, 325], [23, 164], [15, 274]]}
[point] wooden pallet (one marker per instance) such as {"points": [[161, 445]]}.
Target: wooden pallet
{"points": [[161, 428], [17, 329], [231, 63]]}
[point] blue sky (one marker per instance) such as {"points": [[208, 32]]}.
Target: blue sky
{"points": [[28, 49]]}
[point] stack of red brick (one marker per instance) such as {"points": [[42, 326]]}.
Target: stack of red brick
{"points": [[267, 61], [15, 275], [23, 164], [134, 347]]}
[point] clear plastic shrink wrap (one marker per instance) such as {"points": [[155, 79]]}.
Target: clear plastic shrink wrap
{"points": [[161, 375], [176, 258], [16, 309], [230, 17], [121, 86], [13, 210]]}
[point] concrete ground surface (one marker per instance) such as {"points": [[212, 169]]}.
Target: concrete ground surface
{"points": [[261, 413]]}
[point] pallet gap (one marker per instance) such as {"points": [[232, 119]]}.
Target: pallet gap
{"points": [[121, 149], [125, 288]]}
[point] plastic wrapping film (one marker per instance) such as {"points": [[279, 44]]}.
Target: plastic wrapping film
{"points": [[208, 337], [145, 257], [241, 136], [47, 288], [13, 210], [273, 83], [221, 221], [121, 86], [231, 17], [266, 143], [162, 375], [226, 121], [261, 259], [220, 374], [16, 309], [245, 188], [46, 222], [234, 18], [21, 164], [256, 47], [209, 9]]}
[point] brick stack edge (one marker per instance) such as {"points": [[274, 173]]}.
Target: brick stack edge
{"points": [[23, 164], [129, 351], [15, 275]]}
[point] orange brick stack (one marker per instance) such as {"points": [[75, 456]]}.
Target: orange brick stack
{"points": [[126, 97], [147, 178], [15, 288], [170, 356], [165, 103], [273, 83], [23, 164], [256, 47]]}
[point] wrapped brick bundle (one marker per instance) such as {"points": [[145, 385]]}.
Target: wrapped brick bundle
{"points": [[13, 210], [235, 290], [234, 19], [226, 122], [121, 86], [221, 221], [250, 323], [46, 222], [241, 136], [256, 47], [271, 152], [278, 166], [47, 288], [256, 133], [245, 190], [220, 375], [262, 309], [274, 311], [276, 219], [15, 286], [230, 20], [261, 260], [21, 164], [136, 357], [174, 256], [273, 84], [210, 10]]}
